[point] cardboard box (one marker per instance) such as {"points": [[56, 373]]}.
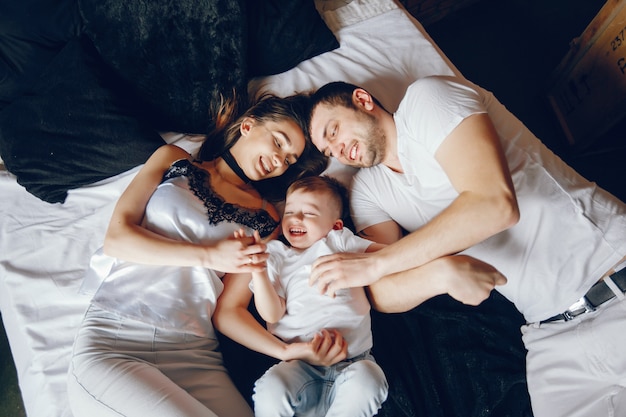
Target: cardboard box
{"points": [[588, 92]]}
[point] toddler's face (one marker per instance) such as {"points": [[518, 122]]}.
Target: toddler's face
{"points": [[308, 217]]}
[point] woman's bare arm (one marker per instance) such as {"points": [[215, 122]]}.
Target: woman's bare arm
{"points": [[127, 239], [232, 318]]}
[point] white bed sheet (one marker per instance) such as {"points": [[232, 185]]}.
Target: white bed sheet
{"points": [[45, 248]]}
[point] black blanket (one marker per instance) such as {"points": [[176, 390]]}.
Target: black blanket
{"points": [[441, 359]]}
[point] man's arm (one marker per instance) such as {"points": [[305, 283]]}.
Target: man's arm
{"points": [[383, 233], [486, 205], [464, 278]]}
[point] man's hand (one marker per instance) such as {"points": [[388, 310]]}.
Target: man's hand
{"points": [[470, 280], [342, 270]]}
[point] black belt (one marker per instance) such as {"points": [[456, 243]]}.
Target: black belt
{"points": [[597, 295]]}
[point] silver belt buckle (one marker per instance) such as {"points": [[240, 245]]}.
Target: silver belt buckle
{"points": [[581, 306]]}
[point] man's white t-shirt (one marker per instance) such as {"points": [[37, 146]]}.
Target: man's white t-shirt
{"points": [[570, 232]]}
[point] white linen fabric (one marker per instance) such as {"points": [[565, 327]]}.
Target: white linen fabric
{"points": [[383, 53], [544, 257], [45, 248], [308, 311]]}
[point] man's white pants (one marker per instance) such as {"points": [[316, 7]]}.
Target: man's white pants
{"points": [[578, 368]]}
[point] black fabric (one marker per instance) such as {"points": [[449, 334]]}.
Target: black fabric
{"points": [[619, 278], [600, 293], [441, 359], [282, 34], [245, 366], [232, 164], [72, 116], [446, 359], [74, 125], [177, 55], [32, 32]]}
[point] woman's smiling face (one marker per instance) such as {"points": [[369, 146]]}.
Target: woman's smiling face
{"points": [[266, 150]]}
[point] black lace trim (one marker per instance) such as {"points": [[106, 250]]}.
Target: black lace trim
{"points": [[219, 210]]}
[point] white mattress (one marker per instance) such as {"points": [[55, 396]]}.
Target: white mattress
{"points": [[45, 248]]}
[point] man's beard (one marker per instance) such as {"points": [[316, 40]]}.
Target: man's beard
{"points": [[374, 140]]}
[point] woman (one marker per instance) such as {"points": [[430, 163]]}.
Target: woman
{"points": [[146, 345]]}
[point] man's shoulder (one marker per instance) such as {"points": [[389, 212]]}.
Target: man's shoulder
{"points": [[430, 89], [367, 177], [436, 82]]}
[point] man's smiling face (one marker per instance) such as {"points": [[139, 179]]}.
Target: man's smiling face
{"points": [[350, 135]]}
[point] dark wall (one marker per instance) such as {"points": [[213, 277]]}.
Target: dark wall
{"points": [[512, 48]]}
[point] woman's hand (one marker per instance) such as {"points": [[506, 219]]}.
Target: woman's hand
{"points": [[327, 348], [239, 254]]}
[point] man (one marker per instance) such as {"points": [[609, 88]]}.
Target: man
{"points": [[457, 173]]}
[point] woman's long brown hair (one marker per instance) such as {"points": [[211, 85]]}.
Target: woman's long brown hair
{"points": [[225, 134]]}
